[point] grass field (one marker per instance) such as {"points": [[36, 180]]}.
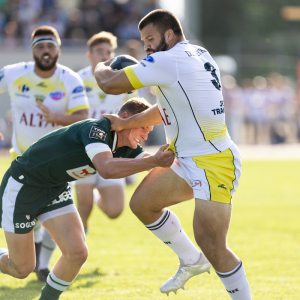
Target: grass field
{"points": [[128, 262]]}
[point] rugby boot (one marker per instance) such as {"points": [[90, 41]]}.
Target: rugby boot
{"points": [[184, 273], [42, 274]]}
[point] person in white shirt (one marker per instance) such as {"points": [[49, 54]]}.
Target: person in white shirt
{"points": [[44, 96], [208, 164]]}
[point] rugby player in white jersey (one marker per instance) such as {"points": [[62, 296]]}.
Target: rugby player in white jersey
{"points": [[101, 48], [208, 164], [44, 96]]}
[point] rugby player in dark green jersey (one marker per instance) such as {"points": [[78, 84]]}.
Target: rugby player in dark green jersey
{"points": [[36, 187]]}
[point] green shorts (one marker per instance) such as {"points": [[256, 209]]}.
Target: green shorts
{"points": [[21, 204]]}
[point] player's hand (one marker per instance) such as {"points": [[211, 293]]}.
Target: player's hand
{"points": [[116, 122], [164, 158], [1, 136], [47, 114], [107, 63]]}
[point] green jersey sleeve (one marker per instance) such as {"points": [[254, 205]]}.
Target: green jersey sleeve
{"points": [[95, 131]]}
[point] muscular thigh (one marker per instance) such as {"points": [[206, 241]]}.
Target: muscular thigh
{"points": [[67, 231], [162, 187]]}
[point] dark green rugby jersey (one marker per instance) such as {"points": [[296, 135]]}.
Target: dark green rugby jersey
{"points": [[60, 156]]}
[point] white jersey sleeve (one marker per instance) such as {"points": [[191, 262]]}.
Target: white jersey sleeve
{"points": [[8, 75], [156, 69], [75, 89]]}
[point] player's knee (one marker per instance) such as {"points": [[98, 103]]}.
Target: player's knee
{"points": [[133, 204], [24, 270], [114, 214], [78, 256]]}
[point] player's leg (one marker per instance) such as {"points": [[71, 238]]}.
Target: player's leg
{"points": [[162, 187], [67, 231], [20, 260], [112, 196], [47, 248], [211, 224], [85, 201]]}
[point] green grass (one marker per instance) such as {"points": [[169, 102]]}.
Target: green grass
{"points": [[127, 262]]}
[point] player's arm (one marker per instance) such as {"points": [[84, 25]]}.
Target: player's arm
{"points": [[62, 119], [110, 81], [109, 167], [149, 117]]}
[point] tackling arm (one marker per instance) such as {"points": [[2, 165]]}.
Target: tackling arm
{"points": [[110, 81], [109, 167], [149, 117]]}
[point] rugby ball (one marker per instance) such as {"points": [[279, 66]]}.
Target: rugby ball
{"points": [[122, 61]]}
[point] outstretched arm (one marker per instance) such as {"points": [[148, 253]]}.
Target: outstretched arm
{"points": [[110, 81], [109, 167], [149, 117]]}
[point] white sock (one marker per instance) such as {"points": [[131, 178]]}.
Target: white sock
{"points": [[168, 229], [3, 251], [37, 232], [47, 249], [236, 283], [56, 283]]}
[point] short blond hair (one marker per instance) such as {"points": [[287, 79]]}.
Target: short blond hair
{"points": [[103, 37], [46, 30]]}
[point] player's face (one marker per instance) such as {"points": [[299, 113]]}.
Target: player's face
{"points": [[100, 53], [137, 135], [153, 40], [46, 55]]}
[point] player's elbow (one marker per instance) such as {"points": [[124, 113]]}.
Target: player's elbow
{"points": [[106, 173], [109, 88]]}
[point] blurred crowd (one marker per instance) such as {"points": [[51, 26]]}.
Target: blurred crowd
{"points": [[75, 20], [262, 110]]}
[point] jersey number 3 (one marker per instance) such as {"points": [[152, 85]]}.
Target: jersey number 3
{"points": [[210, 68]]}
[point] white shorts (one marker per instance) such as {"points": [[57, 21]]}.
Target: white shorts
{"points": [[213, 177], [99, 182]]}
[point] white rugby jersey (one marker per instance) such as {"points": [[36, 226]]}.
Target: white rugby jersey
{"points": [[62, 93], [189, 98], [100, 103]]}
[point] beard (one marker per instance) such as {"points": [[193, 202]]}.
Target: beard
{"points": [[161, 47], [48, 67]]}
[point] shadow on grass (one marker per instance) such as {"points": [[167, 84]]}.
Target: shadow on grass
{"points": [[87, 280], [31, 290], [33, 287]]}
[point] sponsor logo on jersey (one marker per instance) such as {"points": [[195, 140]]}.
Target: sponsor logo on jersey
{"points": [[1, 74], [81, 172], [42, 84], [102, 96], [222, 186], [78, 89], [39, 98], [195, 183], [143, 64], [149, 59], [57, 95], [97, 133], [23, 88], [88, 89]]}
